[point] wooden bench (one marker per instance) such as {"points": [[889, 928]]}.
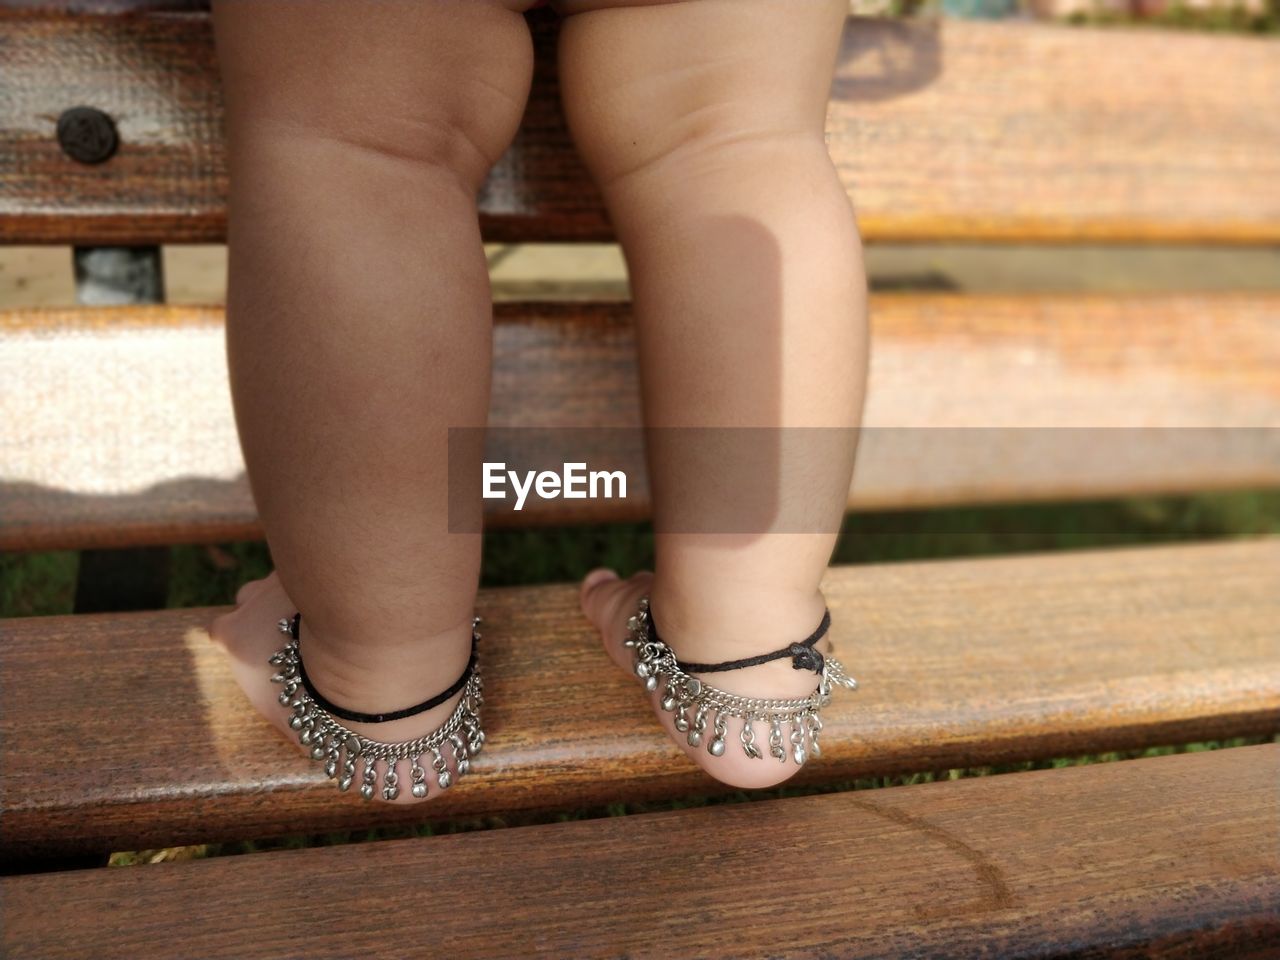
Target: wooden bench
{"points": [[1147, 646], [1156, 857], [965, 662], [1161, 373]]}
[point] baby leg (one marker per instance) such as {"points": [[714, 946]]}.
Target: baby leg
{"points": [[702, 122], [359, 320]]}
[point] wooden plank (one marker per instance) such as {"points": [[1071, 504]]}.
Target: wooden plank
{"points": [[120, 429], [960, 663], [941, 129], [1163, 857]]}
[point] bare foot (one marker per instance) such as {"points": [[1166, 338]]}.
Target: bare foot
{"points": [[250, 635], [609, 602]]}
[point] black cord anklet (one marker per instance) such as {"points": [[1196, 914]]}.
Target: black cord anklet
{"points": [[358, 717], [802, 654]]}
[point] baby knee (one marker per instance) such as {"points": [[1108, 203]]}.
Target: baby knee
{"points": [[436, 86], [458, 142], [642, 87]]}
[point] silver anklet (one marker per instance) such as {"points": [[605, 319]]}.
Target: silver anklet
{"points": [[318, 728], [655, 661]]}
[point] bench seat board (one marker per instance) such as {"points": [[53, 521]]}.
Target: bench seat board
{"points": [[960, 663], [119, 427], [940, 129], [1164, 857]]}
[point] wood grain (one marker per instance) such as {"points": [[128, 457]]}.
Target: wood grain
{"points": [[960, 663], [940, 129], [120, 430], [1168, 857]]}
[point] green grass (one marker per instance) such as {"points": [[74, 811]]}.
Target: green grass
{"points": [[1179, 16], [209, 576], [32, 584], [44, 583], [1232, 18], [972, 531]]}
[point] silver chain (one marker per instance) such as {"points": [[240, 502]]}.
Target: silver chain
{"points": [[655, 662], [330, 740]]}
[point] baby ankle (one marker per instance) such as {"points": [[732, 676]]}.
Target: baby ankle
{"points": [[731, 621], [381, 677]]}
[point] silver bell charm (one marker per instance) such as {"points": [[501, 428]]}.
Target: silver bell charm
{"points": [[716, 746], [419, 788], [390, 782], [370, 776]]}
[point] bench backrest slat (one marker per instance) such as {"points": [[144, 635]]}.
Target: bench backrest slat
{"points": [[941, 129]]}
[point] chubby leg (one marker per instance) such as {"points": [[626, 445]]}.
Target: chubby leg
{"points": [[702, 122], [359, 323]]}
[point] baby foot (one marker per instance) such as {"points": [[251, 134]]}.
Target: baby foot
{"points": [[251, 635], [610, 602]]}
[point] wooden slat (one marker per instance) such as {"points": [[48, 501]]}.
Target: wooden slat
{"points": [[960, 663], [940, 129], [1167, 857], [119, 427]]}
